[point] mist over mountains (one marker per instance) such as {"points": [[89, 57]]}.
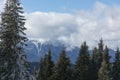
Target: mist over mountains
{"points": [[35, 50]]}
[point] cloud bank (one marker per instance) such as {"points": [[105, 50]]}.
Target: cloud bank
{"points": [[102, 21]]}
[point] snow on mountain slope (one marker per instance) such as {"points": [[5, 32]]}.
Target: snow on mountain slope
{"points": [[36, 50]]}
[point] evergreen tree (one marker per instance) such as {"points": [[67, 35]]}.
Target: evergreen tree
{"points": [[46, 67], [49, 66], [115, 72], [62, 69], [82, 64], [100, 53], [13, 65], [104, 72], [93, 66], [94, 55], [97, 58], [35, 72], [40, 75]]}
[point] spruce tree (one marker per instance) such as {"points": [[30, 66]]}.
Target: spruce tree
{"points": [[115, 71], [100, 53], [62, 69], [35, 73], [46, 67], [40, 75], [94, 55], [97, 58], [82, 65], [93, 65], [49, 66], [13, 64], [104, 72]]}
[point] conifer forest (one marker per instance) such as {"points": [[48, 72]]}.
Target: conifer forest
{"points": [[90, 64]]}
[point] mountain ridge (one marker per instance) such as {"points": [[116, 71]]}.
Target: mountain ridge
{"points": [[35, 50]]}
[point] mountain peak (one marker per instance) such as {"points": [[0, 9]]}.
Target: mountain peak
{"points": [[37, 49]]}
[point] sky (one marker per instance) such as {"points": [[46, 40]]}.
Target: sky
{"points": [[68, 6], [73, 21]]}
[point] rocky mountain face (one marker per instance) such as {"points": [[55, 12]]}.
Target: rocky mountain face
{"points": [[35, 50]]}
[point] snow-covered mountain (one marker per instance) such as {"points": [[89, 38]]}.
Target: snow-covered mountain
{"points": [[35, 50]]}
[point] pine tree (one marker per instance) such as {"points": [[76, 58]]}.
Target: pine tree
{"points": [[104, 72], [115, 71], [82, 64], [13, 64], [62, 69]]}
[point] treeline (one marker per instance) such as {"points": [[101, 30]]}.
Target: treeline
{"points": [[87, 67]]}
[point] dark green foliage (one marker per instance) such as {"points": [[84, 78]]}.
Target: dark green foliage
{"points": [[93, 65], [82, 65], [104, 72], [94, 55], [49, 66], [100, 54], [35, 72], [13, 64], [101, 45], [40, 75], [115, 70], [62, 69], [85, 68], [46, 67], [106, 56], [97, 58]]}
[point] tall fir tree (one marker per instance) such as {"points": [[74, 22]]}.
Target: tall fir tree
{"points": [[104, 72], [13, 64], [97, 58], [35, 73], [49, 66], [94, 55], [46, 67], [115, 70], [62, 69], [100, 53], [40, 73], [93, 66], [82, 64]]}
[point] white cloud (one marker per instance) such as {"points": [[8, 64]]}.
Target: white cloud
{"points": [[50, 25], [102, 21]]}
